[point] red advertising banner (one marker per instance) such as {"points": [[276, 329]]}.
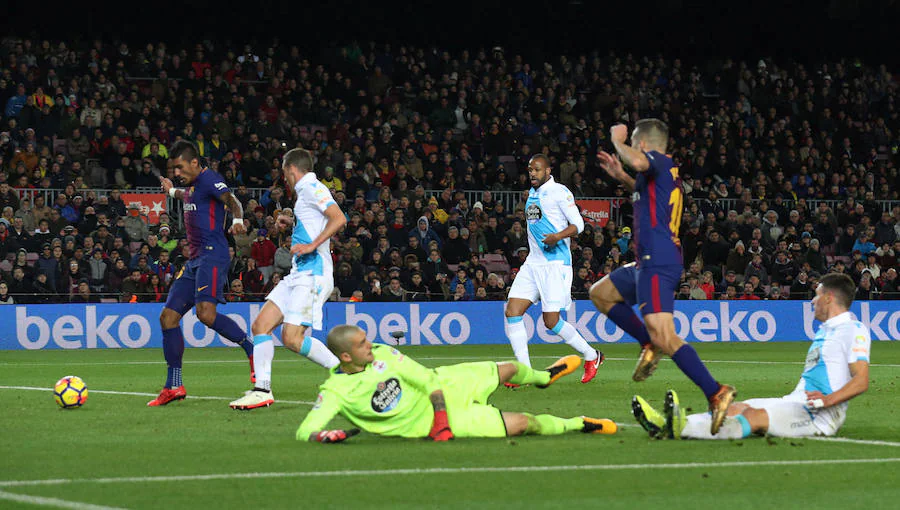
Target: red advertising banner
{"points": [[595, 212], [150, 204]]}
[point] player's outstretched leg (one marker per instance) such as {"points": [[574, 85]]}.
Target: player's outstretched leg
{"points": [[173, 350], [649, 419], [225, 326], [519, 374], [263, 352], [561, 368], [592, 357], [675, 418], [614, 296], [733, 427], [662, 330], [549, 425]]}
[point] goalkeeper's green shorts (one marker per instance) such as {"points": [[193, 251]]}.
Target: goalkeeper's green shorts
{"points": [[467, 388]]}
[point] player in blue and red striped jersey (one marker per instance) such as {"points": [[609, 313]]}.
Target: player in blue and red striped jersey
{"points": [[201, 283], [651, 282]]}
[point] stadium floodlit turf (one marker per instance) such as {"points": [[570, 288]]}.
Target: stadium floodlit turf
{"points": [[198, 453]]}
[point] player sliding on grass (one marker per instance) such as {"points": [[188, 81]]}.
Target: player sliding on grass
{"points": [[384, 392], [546, 276], [837, 369], [203, 279], [652, 281]]}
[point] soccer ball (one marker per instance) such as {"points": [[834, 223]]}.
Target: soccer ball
{"points": [[70, 392]]}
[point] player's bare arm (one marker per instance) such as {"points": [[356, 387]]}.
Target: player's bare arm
{"points": [[857, 385], [630, 156], [613, 166], [237, 210], [336, 221]]}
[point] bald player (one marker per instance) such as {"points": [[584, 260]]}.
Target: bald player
{"points": [[382, 391], [652, 281], [552, 217]]}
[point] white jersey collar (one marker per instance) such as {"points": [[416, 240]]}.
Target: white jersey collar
{"points": [[837, 320], [549, 181], [309, 176]]}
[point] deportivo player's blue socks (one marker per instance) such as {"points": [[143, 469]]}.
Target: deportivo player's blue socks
{"points": [[624, 317], [230, 330], [173, 349], [689, 362]]}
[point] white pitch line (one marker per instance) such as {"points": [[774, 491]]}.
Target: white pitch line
{"points": [[140, 394], [59, 503], [430, 471], [855, 441], [430, 358]]}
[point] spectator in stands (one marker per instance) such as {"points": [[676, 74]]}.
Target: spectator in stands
{"points": [[263, 252], [252, 280], [749, 293], [133, 288], [97, 268], [135, 225], [236, 292], [863, 245], [462, 279], [84, 294], [5, 298]]}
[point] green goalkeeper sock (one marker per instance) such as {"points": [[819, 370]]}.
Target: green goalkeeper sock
{"points": [[527, 375], [548, 425]]}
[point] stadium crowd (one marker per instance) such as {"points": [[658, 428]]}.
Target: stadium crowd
{"points": [[789, 168]]}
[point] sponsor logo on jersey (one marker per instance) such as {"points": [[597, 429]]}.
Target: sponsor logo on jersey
{"points": [[533, 213], [221, 185], [379, 365], [387, 395], [190, 207], [319, 400], [812, 358]]}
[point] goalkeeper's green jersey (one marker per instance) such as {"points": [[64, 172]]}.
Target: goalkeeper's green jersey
{"points": [[390, 397]]}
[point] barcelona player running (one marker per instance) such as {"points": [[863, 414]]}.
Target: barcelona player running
{"points": [[385, 392], [201, 283], [652, 281]]}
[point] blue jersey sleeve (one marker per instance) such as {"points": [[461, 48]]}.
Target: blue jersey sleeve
{"points": [[657, 163], [216, 184]]}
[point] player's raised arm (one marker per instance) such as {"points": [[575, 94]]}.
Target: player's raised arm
{"points": [[237, 211], [169, 188], [859, 345], [613, 167], [629, 155]]}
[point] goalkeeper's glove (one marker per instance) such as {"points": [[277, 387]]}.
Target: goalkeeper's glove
{"points": [[335, 436], [440, 427]]}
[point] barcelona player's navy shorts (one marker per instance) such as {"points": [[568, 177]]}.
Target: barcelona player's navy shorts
{"points": [[200, 279], [652, 288], [624, 279]]}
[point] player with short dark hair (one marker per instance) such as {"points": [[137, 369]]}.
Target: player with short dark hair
{"points": [[652, 281], [296, 302], [202, 282], [837, 370], [385, 392]]}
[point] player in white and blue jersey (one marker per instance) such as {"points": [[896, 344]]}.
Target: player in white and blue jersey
{"points": [[296, 302], [836, 370], [552, 217]]}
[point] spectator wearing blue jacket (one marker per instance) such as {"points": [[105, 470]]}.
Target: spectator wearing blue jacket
{"points": [[864, 245], [462, 278], [15, 104]]}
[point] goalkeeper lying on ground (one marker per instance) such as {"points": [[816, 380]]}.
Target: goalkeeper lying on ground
{"points": [[384, 392]]}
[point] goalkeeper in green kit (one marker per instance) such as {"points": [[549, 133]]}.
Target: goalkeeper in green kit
{"points": [[382, 391]]}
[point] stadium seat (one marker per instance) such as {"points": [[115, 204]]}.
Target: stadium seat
{"points": [[31, 258], [6, 266], [109, 300]]}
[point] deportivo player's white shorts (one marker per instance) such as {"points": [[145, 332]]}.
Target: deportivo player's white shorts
{"points": [[301, 298], [790, 417], [551, 284]]}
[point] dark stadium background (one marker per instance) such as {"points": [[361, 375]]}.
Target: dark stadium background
{"points": [[692, 30]]}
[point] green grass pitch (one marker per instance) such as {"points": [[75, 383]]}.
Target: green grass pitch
{"points": [[198, 453]]}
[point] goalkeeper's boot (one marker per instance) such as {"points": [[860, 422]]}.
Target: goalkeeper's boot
{"points": [[599, 426], [253, 399], [675, 418], [718, 406], [512, 386], [590, 367], [168, 395], [563, 367], [647, 363], [252, 370], [647, 417]]}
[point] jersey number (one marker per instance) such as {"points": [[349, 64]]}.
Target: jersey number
{"points": [[676, 200]]}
